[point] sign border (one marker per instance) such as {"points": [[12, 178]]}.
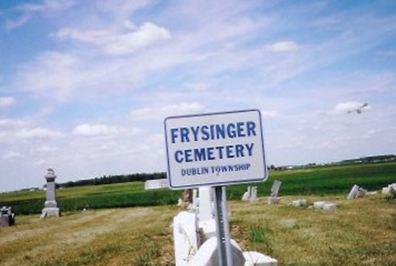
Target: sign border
{"points": [[264, 178]]}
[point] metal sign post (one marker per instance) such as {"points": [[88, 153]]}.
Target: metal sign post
{"points": [[224, 251]]}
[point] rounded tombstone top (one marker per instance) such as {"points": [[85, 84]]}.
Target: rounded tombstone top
{"points": [[50, 176]]}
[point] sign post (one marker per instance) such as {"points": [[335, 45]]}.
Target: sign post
{"points": [[224, 251], [216, 149]]}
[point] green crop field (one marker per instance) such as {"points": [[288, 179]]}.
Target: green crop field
{"points": [[312, 181]]}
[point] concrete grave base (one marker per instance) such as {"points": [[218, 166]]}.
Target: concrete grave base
{"points": [[254, 258], [299, 203], [207, 254], [50, 211], [324, 205], [273, 200]]}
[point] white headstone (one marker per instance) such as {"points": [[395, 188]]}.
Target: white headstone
{"points": [[253, 194], [156, 184], [185, 237], [390, 189], [246, 195]]}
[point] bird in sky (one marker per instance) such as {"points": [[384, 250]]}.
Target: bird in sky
{"points": [[358, 109]]}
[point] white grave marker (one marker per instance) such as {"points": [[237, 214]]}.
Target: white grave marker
{"points": [[156, 184], [50, 205]]}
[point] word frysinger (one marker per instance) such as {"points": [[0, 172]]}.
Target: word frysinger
{"points": [[215, 149]]}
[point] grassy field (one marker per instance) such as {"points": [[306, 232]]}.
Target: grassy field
{"points": [[312, 181], [359, 232]]}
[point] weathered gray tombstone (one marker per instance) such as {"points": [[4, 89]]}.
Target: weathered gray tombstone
{"points": [[273, 198], [250, 194], [50, 205], [253, 194], [356, 192], [7, 216], [352, 194]]}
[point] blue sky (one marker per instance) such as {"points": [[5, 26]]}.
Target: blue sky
{"points": [[85, 85]]}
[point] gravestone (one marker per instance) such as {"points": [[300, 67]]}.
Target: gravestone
{"points": [[250, 194], [325, 205], [390, 189], [246, 195], [156, 184], [194, 236], [299, 203], [253, 194], [7, 216], [356, 192], [273, 198], [50, 205]]}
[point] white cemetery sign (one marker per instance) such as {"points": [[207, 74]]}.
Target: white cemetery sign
{"points": [[215, 149]]}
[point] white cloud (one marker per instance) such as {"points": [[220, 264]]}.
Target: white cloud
{"points": [[7, 101], [52, 73], [90, 130], [167, 110], [38, 132], [46, 149], [352, 106], [9, 123], [117, 42], [12, 155], [284, 46], [269, 113]]}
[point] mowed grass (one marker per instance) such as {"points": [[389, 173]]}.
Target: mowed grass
{"points": [[311, 181], [359, 232]]}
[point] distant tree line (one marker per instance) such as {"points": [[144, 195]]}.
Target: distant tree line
{"points": [[371, 159], [114, 179]]}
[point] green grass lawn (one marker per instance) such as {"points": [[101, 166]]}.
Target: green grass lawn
{"points": [[358, 232], [312, 181]]}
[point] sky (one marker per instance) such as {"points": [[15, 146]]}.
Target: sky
{"points": [[85, 85]]}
